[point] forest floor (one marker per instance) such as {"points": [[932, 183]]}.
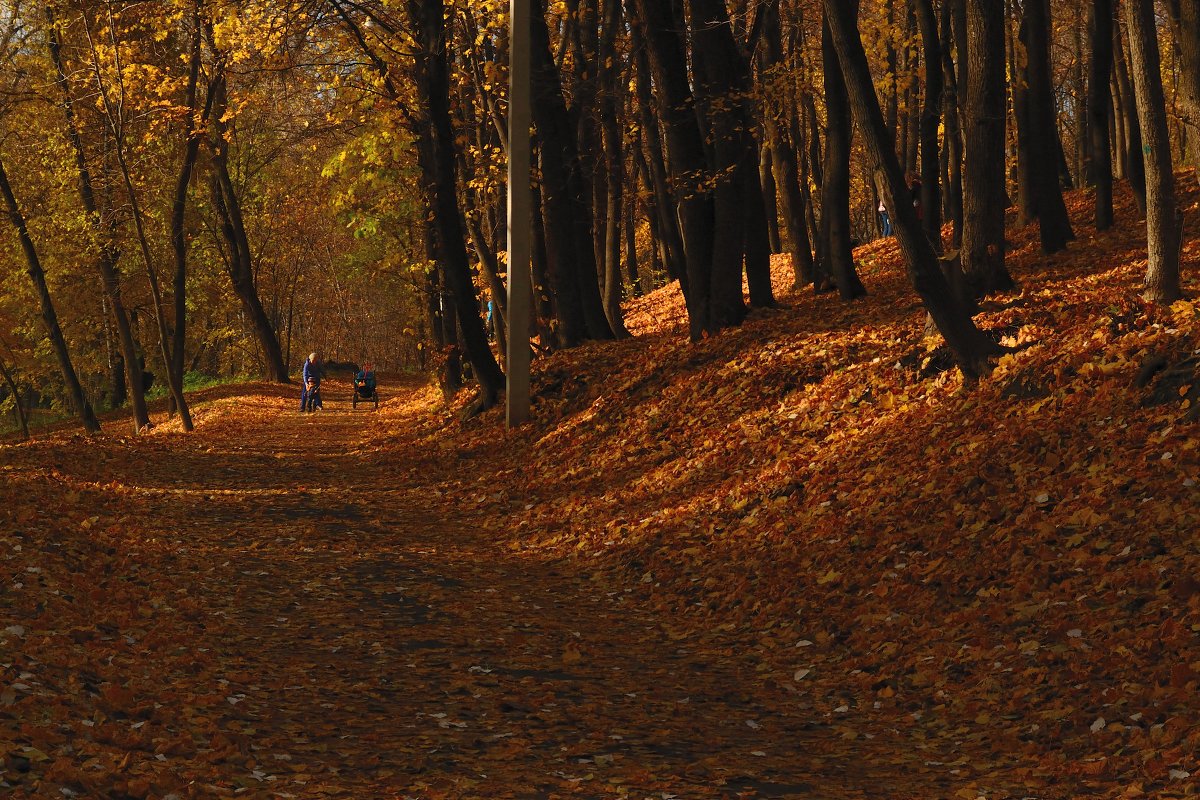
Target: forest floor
{"points": [[800, 559]]}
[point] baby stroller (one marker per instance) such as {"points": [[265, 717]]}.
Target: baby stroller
{"points": [[364, 387]]}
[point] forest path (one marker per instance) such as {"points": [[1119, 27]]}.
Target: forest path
{"points": [[320, 631]]}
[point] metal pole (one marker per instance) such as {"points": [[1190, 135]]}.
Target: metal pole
{"points": [[520, 212]]}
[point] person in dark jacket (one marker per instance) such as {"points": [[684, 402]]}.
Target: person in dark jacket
{"points": [[310, 383]]}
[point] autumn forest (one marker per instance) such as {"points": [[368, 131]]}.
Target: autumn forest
{"points": [[862, 459]]}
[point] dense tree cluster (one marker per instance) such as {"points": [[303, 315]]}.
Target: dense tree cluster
{"points": [[215, 187]]}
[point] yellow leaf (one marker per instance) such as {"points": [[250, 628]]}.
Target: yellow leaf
{"points": [[829, 577]]}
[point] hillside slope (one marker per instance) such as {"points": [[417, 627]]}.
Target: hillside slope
{"points": [[1003, 580]]}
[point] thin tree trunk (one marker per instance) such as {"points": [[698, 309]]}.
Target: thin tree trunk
{"points": [[191, 150], [783, 153], [106, 257], [651, 136], [116, 125], [615, 163], [1134, 161], [1116, 127], [953, 124], [629, 226], [770, 193], [1163, 219], [931, 201], [1082, 141], [835, 195], [58, 342], [1099, 105], [241, 264], [22, 420]]}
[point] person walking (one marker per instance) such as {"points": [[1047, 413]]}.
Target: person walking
{"points": [[310, 383]]}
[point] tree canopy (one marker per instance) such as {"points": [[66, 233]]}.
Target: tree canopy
{"points": [[202, 189]]}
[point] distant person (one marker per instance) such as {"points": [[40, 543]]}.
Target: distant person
{"points": [[885, 226], [310, 383]]}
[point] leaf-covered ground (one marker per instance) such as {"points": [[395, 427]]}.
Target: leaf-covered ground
{"points": [[797, 560]]}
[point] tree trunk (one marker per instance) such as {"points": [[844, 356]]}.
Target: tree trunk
{"points": [[22, 420], [1099, 104], [543, 297], [629, 227], [1163, 218], [1024, 166], [241, 264], [685, 149], [983, 165], [1134, 160], [433, 94], [1082, 142], [191, 149], [770, 194], [106, 258], [970, 346], [115, 121], [912, 94], [953, 124], [1185, 22], [786, 171], [651, 136], [758, 248], [615, 163], [835, 194], [720, 74], [33, 267], [565, 201], [931, 117], [1044, 143]]}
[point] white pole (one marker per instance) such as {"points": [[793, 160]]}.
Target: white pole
{"points": [[520, 212]]}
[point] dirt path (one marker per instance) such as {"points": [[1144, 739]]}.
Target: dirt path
{"points": [[319, 631]]}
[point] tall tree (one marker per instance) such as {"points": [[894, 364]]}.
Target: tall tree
{"points": [[1100, 27], [984, 199], [835, 190], [971, 347], [433, 93], [116, 119], [33, 267], [1163, 218], [240, 261], [718, 73], [614, 160], [1134, 162], [783, 152], [952, 11], [192, 136], [1185, 22], [565, 199], [106, 255], [931, 118], [663, 28], [1041, 118]]}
